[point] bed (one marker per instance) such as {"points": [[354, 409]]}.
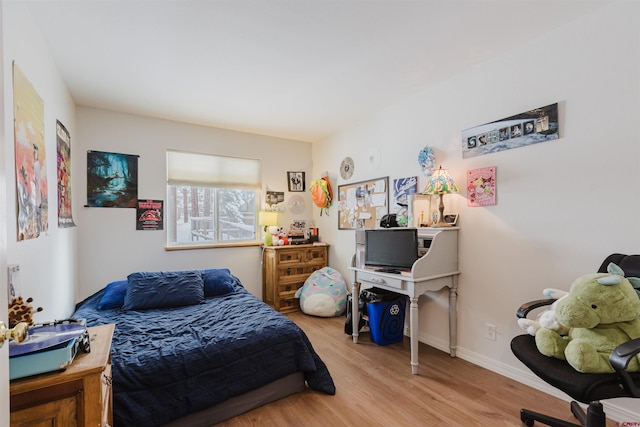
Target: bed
{"points": [[195, 347]]}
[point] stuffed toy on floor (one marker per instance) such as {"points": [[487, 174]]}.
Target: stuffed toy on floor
{"points": [[324, 293], [602, 311]]}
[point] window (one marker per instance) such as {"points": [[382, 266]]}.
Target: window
{"points": [[211, 200]]}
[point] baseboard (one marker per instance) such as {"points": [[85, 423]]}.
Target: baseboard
{"points": [[614, 412]]}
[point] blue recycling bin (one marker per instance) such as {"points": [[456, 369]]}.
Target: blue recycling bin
{"points": [[386, 315]]}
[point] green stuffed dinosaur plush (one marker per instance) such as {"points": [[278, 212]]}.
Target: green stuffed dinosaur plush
{"points": [[602, 311]]}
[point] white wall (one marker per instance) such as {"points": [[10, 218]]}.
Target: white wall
{"points": [[47, 264], [562, 205], [4, 351], [110, 247]]}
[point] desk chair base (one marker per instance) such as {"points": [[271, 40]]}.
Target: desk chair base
{"points": [[594, 417]]}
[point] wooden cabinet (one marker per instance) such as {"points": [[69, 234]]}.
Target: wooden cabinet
{"points": [[78, 396], [284, 270]]}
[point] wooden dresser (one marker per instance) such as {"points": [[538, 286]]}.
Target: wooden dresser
{"points": [[284, 270], [77, 396]]}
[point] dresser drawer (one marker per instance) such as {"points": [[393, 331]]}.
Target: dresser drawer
{"points": [[292, 270], [286, 272], [378, 280], [290, 286], [286, 304], [290, 256], [317, 254]]}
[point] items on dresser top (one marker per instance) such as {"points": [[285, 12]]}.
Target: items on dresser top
{"points": [[48, 347]]}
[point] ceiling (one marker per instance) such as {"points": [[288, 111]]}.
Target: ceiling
{"points": [[296, 69]]}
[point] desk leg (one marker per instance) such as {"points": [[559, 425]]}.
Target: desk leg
{"points": [[355, 299], [413, 325], [453, 317]]}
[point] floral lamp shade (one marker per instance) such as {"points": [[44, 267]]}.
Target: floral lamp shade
{"points": [[441, 183]]}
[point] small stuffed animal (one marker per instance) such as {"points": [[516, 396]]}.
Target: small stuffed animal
{"points": [[21, 311], [547, 318], [603, 311], [283, 237], [323, 294], [275, 231]]}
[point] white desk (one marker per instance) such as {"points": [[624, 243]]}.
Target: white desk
{"points": [[434, 271]]}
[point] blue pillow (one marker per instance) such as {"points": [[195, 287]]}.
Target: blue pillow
{"points": [[217, 281], [164, 289], [113, 295]]}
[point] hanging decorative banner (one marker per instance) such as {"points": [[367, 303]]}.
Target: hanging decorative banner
{"points": [[65, 218], [112, 180], [481, 187], [149, 215], [531, 127], [31, 171]]}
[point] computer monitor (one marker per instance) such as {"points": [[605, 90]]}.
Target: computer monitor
{"points": [[391, 248]]}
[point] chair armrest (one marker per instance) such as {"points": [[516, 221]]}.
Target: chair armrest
{"points": [[525, 308], [620, 358]]}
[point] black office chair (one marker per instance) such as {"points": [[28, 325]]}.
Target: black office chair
{"points": [[585, 388]]}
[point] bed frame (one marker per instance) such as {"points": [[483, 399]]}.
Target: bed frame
{"points": [[278, 389]]}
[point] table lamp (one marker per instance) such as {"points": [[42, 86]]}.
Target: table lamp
{"points": [[440, 183], [266, 219]]}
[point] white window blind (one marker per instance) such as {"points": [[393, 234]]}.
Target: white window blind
{"points": [[212, 170]]}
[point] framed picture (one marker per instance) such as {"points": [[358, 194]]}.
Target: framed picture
{"points": [[296, 181], [530, 127], [112, 180], [481, 186], [451, 219]]}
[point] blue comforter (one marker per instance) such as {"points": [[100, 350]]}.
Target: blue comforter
{"points": [[168, 363]]}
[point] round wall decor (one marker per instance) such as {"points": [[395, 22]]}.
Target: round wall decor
{"points": [[295, 204], [427, 161], [346, 168]]}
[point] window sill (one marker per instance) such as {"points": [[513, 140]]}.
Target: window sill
{"points": [[213, 246]]}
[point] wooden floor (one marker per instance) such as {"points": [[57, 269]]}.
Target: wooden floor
{"points": [[374, 387]]}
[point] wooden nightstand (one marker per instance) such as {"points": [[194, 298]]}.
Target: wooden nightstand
{"points": [[78, 396], [284, 270]]}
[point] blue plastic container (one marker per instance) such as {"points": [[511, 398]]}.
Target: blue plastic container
{"points": [[386, 320]]}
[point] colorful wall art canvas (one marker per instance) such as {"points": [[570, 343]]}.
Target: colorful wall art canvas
{"points": [[481, 187], [112, 180], [31, 166], [531, 127], [402, 187], [65, 218]]}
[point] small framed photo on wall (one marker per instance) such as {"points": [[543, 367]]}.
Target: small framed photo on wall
{"points": [[296, 181]]}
